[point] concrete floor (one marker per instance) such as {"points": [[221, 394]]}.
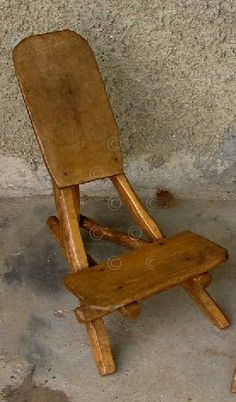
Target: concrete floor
{"points": [[171, 353]]}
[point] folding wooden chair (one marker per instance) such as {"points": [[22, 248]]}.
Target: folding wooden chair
{"points": [[78, 137]]}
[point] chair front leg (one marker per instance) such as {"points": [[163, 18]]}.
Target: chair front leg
{"points": [[101, 347]]}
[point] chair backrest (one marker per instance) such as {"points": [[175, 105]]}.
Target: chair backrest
{"points": [[68, 107]]}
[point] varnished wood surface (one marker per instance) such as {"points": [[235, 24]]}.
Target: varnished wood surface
{"points": [[207, 304], [195, 287], [101, 347], [203, 280], [145, 271], [78, 137], [131, 311], [55, 229], [67, 205], [86, 314], [103, 232], [106, 233], [53, 225], [135, 207], [68, 208], [68, 106], [233, 384]]}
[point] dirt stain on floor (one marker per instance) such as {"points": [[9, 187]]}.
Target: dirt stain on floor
{"points": [[39, 266], [30, 392], [165, 198]]}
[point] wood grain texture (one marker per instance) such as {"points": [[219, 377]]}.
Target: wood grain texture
{"points": [[68, 210], [131, 311], [67, 205], [203, 280], [135, 207], [209, 307], [101, 347], [68, 107], [78, 137], [233, 384], [145, 271], [198, 294], [86, 314], [53, 225], [54, 228], [105, 233]]}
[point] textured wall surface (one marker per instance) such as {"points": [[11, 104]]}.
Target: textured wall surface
{"points": [[169, 68]]}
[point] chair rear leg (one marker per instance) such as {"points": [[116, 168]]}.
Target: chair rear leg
{"points": [[101, 347], [196, 289]]}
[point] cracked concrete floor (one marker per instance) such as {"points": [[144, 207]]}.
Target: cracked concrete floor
{"points": [[171, 353]]}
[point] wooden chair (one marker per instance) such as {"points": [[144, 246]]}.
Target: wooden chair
{"points": [[78, 137]]}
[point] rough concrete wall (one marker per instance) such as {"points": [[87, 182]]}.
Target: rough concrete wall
{"points": [[169, 68]]}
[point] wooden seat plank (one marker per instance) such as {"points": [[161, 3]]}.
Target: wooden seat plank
{"points": [[145, 271]]}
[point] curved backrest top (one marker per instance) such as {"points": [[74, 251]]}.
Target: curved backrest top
{"points": [[68, 107]]}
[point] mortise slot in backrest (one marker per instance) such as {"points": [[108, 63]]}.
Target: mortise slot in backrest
{"points": [[68, 107]]}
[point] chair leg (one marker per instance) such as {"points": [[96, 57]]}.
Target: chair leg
{"points": [[196, 289], [233, 385], [101, 347]]}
